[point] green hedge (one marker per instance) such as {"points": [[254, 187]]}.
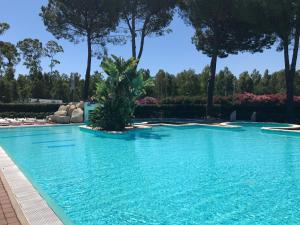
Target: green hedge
{"points": [[39, 111], [38, 115], [37, 108], [191, 111], [276, 113], [188, 111]]}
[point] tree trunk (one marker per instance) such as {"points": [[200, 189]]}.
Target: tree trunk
{"points": [[211, 86], [290, 71], [143, 36], [141, 47], [133, 37], [88, 70]]}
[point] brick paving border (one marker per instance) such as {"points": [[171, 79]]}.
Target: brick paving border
{"points": [[8, 215]]}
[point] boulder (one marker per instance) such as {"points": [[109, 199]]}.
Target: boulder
{"points": [[71, 109], [80, 105], [60, 119], [61, 113], [77, 116], [63, 108]]}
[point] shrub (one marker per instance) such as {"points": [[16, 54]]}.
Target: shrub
{"points": [[117, 95], [12, 107], [265, 113], [251, 99], [38, 115], [174, 111], [183, 100]]}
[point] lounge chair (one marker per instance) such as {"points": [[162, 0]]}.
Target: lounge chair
{"points": [[14, 122], [4, 122], [29, 121]]}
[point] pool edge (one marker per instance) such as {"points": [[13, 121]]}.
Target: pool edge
{"points": [[31, 208]]}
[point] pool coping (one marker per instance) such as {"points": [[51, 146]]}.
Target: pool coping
{"points": [[30, 207], [293, 128], [41, 125], [146, 125]]}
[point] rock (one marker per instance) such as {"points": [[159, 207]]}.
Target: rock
{"points": [[63, 108], [60, 119], [61, 113], [71, 109], [77, 116], [80, 105]]}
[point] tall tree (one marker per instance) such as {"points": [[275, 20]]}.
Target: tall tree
{"points": [[52, 48], [188, 83], [225, 81], [145, 18], [245, 83], [221, 30], [282, 18], [32, 51], [76, 20], [165, 84], [9, 56], [6, 50]]}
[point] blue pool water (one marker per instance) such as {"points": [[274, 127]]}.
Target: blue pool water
{"points": [[164, 175]]}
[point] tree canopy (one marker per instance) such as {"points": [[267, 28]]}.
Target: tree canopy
{"points": [[144, 18], [282, 19], [51, 49], [3, 27], [77, 20], [9, 56], [220, 30]]}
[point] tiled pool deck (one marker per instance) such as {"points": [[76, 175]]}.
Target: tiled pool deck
{"points": [[8, 215]]}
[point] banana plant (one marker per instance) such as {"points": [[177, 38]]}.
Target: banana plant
{"points": [[117, 95]]}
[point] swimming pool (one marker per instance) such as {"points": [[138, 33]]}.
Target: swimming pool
{"points": [[163, 175]]}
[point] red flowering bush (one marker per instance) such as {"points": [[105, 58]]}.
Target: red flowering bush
{"points": [[251, 99]]}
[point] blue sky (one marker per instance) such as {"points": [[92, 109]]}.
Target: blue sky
{"points": [[173, 52]]}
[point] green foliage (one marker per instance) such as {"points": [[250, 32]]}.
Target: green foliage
{"points": [[32, 52], [165, 84], [78, 20], [51, 49], [36, 108], [117, 95], [3, 27], [39, 111], [265, 112], [45, 85], [171, 111], [188, 83], [145, 18], [225, 83], [282, 20], [221, 30], [245, 83], [9, 57], [37, 115]]}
